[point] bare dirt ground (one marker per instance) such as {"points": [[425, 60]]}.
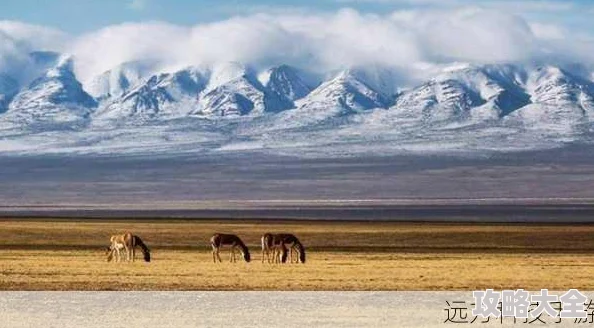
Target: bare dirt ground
{"points": [[69, 255]]}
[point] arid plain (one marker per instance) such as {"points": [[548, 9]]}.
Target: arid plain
{"points": [[52, 254]]}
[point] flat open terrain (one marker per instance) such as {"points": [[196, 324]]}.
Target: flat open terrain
{"points": [[69, 255]]}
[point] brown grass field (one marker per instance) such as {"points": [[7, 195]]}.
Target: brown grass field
{"points": [[69, 255]]}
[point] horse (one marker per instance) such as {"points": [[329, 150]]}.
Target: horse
{"points": [[115, 248], [128, 242], [273, 252], [275, 244], [219, 240]]}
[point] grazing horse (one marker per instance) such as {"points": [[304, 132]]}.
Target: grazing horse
{"points": [[128, 242], [271, 251], [275, 244], [219, 240]]}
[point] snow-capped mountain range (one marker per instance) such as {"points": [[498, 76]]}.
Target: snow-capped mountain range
{"points": [[231, 107]]}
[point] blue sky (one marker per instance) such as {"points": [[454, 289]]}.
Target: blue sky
{"points": [[78, 16]]}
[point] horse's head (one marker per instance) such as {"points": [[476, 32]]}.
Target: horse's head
{"points": [[246, 256]]}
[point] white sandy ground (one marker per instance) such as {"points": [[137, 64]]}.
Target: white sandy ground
{"points": [[237, 309]]}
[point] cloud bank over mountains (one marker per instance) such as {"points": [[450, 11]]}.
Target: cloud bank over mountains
{"points": [[411, 42]]}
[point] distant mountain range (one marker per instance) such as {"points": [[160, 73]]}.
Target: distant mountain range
{"points": [[229, 106]]}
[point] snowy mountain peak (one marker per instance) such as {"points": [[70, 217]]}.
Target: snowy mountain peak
{"points": [[242, 95], [54, 100], [560, 101], [166, 95], [117, 81], [58, 86], [226, 72], [467, 93], [286, 82], [346, 93], [553, 86]]}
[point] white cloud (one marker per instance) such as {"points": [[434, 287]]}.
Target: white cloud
{"points": [[403, 40], [547, 31], [321, 41], [34, 36], [17, 40]]}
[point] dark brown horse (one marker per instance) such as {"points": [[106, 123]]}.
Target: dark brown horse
{"points": [[219, 240], [275, 243]]}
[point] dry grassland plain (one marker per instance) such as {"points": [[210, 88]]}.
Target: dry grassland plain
{"points": [[69, 255]]}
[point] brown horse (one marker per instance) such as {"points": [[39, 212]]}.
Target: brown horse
{"points": [[219, 240], [128, 242], [275, 244]]}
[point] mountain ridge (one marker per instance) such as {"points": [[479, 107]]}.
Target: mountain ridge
{"points": [[482, 105]]}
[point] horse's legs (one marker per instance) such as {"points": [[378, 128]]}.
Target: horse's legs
{"points": [[297, 253], [127, 250], [133, 253], [277, 255]]}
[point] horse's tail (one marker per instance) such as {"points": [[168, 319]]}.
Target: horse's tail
{"points": [[145, 250], [244, 250], [301, 250]]}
